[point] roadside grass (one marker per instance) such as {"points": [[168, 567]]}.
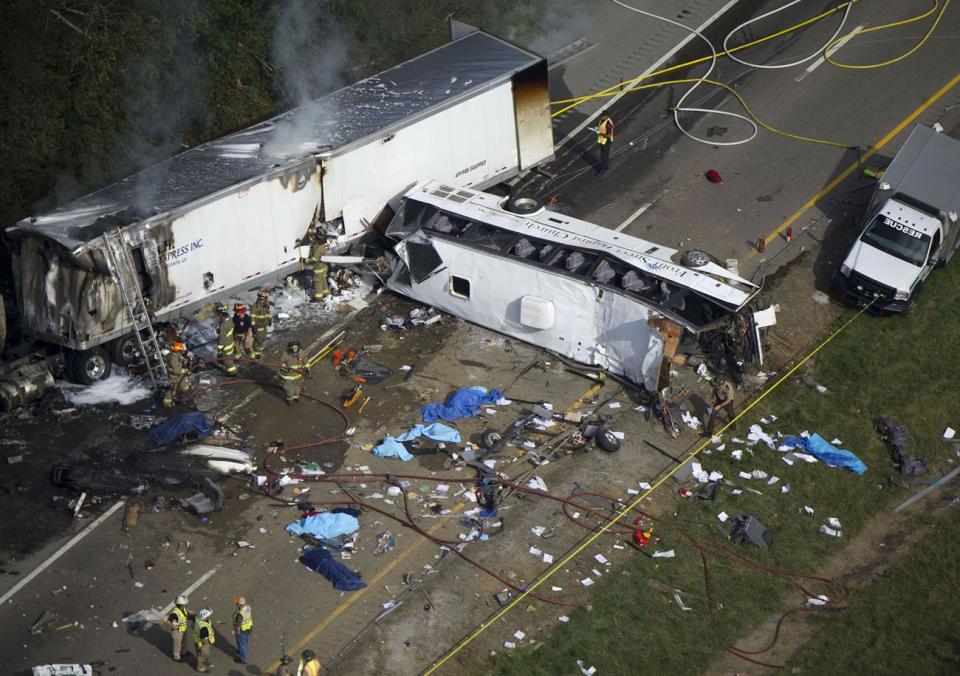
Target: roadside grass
{"points": [[905, 623], [904, 367]]}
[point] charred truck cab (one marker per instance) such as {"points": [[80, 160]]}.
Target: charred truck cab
{"points": [[910, 226], [584, 291], [231, 214]]}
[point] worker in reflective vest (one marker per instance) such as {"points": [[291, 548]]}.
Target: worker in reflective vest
{"points": [[177, 623], [261, 320], [242, 626], [178, 370], [292, 371], [203, 639], [605, 140], [225, 348], [309, 664]]}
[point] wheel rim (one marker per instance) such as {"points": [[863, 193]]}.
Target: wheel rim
{"points": [[525, 203], [95, 366], [128, 350], [697, 258]]}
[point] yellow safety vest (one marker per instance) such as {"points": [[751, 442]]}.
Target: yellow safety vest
{"points": [[605, 132], [181, 619], [311, 668], [197, 626], [243, 617]]}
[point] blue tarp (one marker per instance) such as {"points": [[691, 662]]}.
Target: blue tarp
{"points": [[176, 426], [391, 447], [463, 403], [826, 452], [321, 561], [325, 525]]}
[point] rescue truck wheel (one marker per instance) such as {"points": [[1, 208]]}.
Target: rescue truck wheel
{"points": [[89, 366], [607, 441], [523, 205], [124, 350]]}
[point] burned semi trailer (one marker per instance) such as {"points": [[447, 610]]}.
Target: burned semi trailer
{"points": [[231, 214], [584, 291]]}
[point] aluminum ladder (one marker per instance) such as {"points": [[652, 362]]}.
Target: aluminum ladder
{"points": [[125, 275]]}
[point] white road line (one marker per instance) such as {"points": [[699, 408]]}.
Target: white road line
{"points": [[634, 216], [192, 588], [659, 62], [60, 552], [830, 52]]}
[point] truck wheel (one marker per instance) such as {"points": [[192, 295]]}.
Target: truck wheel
{"points": [[124, 350], [89, 366], [523, 205], [490, 438], [607, 441]]}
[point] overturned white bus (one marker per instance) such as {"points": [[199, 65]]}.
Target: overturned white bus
{"points": [[584, 291]]}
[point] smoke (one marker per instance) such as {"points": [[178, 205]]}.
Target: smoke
{"points": [[169, 98], [555, 25], [311, 50]]}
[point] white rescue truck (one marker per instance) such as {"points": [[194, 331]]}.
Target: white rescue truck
{"points": [[910, 225]]}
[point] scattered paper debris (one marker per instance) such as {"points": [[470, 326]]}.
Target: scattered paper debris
{"points": [[669, 554], [614, 404], [746, 475], [509, 645], [949, 433], [821, 389], [833, 522], [736, 491], [586, 582], [723, 516], [548, 558], [808, 509], [644, 485], [536, 552], [600, 558], [819, 600], [563, 618], [827, 530], [519, 635], [618, 435], [736, 455], [586, 671], [774, 479]]}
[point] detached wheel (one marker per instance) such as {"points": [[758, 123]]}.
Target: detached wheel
{"points": [[490, 438], [607, 441], [124, 350], [89, 366], [523, 205], [695, 258]]}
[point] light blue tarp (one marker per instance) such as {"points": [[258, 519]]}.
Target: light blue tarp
{"points": [[391, 447], [826, 452], [464, 403], [324, 526]]}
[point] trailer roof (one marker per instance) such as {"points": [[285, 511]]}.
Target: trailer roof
{"points": [[459, 69], [925, 168]]}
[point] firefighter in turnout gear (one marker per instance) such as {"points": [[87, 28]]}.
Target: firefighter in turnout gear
{"points": [[178, 373], [242, 331], [242, 626], [177, 623], [292, 371], [203, 638], [261, 320], [225, 348], [318, 249]]}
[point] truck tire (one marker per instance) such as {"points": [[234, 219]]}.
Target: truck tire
{"points": [[523, 205], [89, 366], [607, 441], [124, 350]]}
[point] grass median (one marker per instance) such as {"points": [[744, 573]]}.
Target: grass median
{"points": [[904, 367]]}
